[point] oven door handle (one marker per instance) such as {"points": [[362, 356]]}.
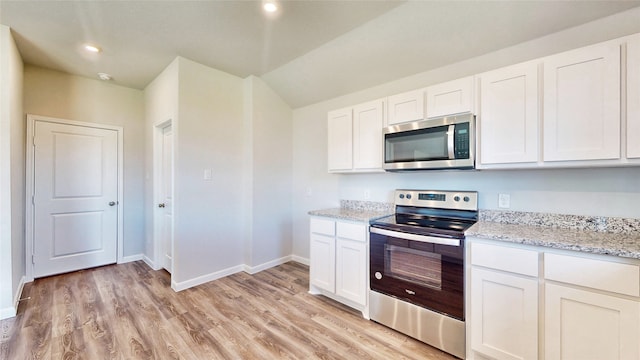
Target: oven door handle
{"points": [[416, 237]]}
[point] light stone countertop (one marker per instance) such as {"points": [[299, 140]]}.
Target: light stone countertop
{"points": [[597, 235], [361, 211], [590, 234]]}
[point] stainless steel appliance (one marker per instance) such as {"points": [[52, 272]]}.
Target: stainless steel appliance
{"points": [[442, 143], [417, 266]]}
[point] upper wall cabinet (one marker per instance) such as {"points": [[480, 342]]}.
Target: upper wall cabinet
{"points": [[582, 104], [405, 107], [368, 120], [448, 98], [355, 138], [508, 122], [340, 140], [633, 97]]}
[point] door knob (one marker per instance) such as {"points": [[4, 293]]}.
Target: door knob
{"points": [[112, 203], [160, 205]]}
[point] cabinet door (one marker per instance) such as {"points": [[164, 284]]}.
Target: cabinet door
{"points": [[322, 262], [582, 104], [340, 140], [405, 107], [367, 135], [508, 123], [584, 325], [633, 97], [448, 98], [504, 315], [351, 270]]}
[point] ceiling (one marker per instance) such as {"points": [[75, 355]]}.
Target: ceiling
{"points": [[310, 50]]}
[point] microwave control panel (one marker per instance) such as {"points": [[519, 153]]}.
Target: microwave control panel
{"points": [[461, 141]]}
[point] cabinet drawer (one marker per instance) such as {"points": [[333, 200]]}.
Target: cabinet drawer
{"points": [[597, 274], [519, 261], [351, 231], [321, 226]]}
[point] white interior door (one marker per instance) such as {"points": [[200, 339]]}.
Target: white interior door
{"points": [[75, 197], [166, 200]]}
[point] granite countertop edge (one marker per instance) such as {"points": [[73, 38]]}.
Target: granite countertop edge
{"points": [[357, 215], [604, 243]]}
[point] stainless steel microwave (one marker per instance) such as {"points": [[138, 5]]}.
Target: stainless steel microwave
{"points": [[440, 143]]}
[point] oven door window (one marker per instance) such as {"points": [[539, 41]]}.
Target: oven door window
{"points": [[417, 145], [412, 265]]}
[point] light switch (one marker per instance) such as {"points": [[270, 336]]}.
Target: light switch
{"points": [[207, 174]]}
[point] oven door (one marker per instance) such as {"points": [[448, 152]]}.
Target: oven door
{"points": [[423, 270]]}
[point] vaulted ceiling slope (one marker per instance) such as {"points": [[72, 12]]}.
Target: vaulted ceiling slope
{"points": [[308, 51]]}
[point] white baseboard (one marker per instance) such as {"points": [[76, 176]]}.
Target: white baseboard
{"points": [[269, 264], [11, 311], [150, 262], [131, 258], [179, 286], [300, 259]]}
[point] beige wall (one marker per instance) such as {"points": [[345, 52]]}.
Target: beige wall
{"points": [[208, 214], [55, 94], [268, 142], [12, 139]]}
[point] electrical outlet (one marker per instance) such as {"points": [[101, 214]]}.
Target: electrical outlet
{"points": [[504, 201], [367, 194]]}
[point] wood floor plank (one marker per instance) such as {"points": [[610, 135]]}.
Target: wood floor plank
{"points": [[129, 311]]}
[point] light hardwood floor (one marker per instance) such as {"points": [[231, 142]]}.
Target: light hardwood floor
{"points": [[129, 311]]}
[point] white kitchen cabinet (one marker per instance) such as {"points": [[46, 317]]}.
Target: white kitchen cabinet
{"points": [[368, 120], [351, 263], [322, 255], [582, 104], [405, 107], [508, 122], [504, 302], [592, 310], [581, 324], [354, 141], [340, 140], [452, 97], [338, 263], [633, 97]]}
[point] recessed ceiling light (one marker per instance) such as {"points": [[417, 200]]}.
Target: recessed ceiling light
{"points": [[270, 6], [104, 76], [92, 48]]}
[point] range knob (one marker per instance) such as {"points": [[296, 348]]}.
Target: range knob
{"points": [[456, 198], [401, 196], [466, 199], [408, 196]]}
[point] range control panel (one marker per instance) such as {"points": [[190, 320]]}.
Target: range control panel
{"points": [[458, 200]]}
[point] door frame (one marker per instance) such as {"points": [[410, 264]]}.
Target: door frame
{"points": [[158, 256], [30, 185]]}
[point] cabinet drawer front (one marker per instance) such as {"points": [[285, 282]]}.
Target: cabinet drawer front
{"points": [[519, 261], [597, 274], [320, 226], [351, 231]]}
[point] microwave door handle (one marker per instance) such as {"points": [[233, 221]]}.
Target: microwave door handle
{"points": [[450, 148]]}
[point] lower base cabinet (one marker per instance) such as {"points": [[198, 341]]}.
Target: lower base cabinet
{"points": [[582, 324], [338, 262], [527, 302], [504, 321]]}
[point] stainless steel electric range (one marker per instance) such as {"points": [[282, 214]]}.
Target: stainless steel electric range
{"points": [[417, 266]]}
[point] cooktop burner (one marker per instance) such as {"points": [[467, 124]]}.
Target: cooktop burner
{"points": [[432, 213]]}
